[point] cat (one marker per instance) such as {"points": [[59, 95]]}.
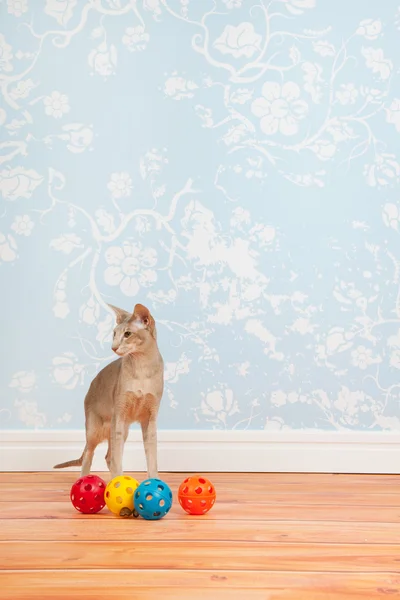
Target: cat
{"points": [[127, 390]]}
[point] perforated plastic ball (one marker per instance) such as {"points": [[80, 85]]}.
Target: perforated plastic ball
{"points": [[196, 495], [119, 495], [153, 499], [87, 494]]}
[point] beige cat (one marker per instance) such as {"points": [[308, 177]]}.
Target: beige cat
{"points": [[127, 390]]}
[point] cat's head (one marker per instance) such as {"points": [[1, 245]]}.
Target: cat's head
{"points": [[134, 332]]}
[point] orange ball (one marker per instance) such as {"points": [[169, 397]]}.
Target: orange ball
{"points": [[196, 495]]}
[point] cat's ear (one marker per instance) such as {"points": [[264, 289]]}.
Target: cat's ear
{"points": [[142, 313], [121, 315]]}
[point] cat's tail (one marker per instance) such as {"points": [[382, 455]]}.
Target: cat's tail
{"points": [[70, 463]]}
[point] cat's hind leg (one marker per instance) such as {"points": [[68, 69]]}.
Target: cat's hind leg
{"points": [[94, 436]]}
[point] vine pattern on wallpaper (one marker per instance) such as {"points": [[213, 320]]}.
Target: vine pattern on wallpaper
{"points": [[283, 101]]}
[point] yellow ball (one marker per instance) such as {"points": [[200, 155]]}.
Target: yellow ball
{"points": [[119, 495]]}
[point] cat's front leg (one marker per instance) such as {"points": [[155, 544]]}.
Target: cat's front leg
{"points": [[118, 435], [149, 432]]}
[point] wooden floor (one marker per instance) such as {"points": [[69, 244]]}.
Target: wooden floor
{"points": [[269, 537]]}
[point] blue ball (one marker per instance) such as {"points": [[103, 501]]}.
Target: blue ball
{"points": [[153, 499]]}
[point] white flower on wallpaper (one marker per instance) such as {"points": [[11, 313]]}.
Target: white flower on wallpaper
{"points": [[350, 403], [295, 54], [303, 326], [131, 267], [362, 357], [217, 405], [384, 171], [391, 215], [375, 60], [370, 29], [135, 38], [174, 370], [395, 358], [90, 311], [235, 134], [240, 41], [142, 225], [347, 93], [231, 4], [153, 6], [394, 345], [205, 114], [240, 216], [313, 79], [338, 340], [67, 371], [106, 219], [8, 248], [61, 10], [104, 330], [280, 108], [393, 113], [243, 369], [22, 89], [6, 55], [120, 185], [56, 105], [103, 59], [65, 418], [177, 87], [297, 7], [157, 298], [241, 96], [29, 414], [79, 137], [278, 398], [262, 234], [18, 182], [17, 7], [340, 130], [152, 163], [60, 307], [23, 225], [324, 48], [324, 149], [66, 243], [23, 381], [255, 327]]}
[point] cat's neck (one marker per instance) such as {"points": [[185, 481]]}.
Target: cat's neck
{"points": [[142, 360]]}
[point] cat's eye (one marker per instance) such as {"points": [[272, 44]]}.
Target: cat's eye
{"points": [[127, 334]]}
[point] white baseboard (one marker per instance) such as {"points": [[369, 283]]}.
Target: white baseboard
{"points": [[202, 451]]}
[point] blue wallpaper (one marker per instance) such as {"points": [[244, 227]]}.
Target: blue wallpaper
{"points": [[232, 164]]}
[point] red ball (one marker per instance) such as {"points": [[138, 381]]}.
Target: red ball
{"points": [[87, 494], [196, 495]]}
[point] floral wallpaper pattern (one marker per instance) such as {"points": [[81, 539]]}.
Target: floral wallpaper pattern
{"points": [[234, 165]]}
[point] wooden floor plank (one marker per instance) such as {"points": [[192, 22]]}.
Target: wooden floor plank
{"points": [[229, 493], [201, 555], [93, 529], [236, 585], [229, 511]]}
